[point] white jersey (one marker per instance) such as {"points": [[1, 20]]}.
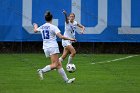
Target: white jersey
{"points": [[49, 32], [70, 29]]}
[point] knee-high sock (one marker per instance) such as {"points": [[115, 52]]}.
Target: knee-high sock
{"points": [[63, 74], [69, 60], [46, 69]]}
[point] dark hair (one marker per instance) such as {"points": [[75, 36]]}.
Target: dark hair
{"points": [[72, 14], [48, 16]]}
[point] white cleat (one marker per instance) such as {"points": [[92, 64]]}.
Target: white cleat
{"points": [[40, 72], [70, 81]]}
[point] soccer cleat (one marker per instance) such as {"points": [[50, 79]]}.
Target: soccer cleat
{"points": [[40, 72], [69, 81]]}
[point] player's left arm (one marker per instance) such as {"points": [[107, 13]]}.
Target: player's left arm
{"points": [[81, 27]]}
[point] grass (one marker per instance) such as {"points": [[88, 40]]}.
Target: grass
{"points": [[18, 75]]}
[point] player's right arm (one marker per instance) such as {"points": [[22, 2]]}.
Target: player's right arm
{"points": [[66, 17], [35, 27]]}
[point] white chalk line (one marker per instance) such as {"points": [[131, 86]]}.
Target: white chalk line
{"points": [[118, 59]]}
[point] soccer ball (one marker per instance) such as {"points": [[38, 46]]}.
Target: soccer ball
{"points": [[71, 68]]}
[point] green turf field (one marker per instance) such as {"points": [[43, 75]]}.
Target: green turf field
{"points": [[18, 74]]}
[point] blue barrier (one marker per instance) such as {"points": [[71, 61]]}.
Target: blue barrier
{"points": [[105, 20]]}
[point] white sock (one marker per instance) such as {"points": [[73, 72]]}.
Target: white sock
{"points": [[60, 59], [69, 60], [46, 69], [63, 74]]}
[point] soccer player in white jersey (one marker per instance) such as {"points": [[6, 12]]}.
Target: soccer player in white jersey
{"points": [[50, 46], [70, 27]]}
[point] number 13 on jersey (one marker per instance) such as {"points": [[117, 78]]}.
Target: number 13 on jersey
{"points": [[45, 34]]}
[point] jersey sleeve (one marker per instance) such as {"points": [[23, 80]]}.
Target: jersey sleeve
{"points": [[56, 30]]}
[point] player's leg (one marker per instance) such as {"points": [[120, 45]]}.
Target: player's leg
{"points": [[66, 51], [46, 68], [52, 53], [63, 74], [54, 60], [64, 55], [72, 53], [53, 65]]}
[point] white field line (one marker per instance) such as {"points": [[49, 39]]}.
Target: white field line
{"points": [[118, 59]]}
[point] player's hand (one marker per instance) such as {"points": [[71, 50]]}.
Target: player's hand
{"points": [[64, 12], [35, 27], [83, 30]]}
